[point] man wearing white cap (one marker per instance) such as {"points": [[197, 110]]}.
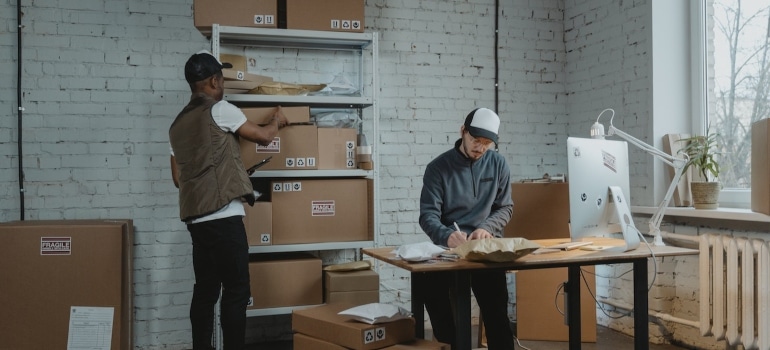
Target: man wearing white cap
{"points": [[466, 195]]}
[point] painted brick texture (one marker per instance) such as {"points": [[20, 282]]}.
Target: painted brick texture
{"points": [[102, 81]]}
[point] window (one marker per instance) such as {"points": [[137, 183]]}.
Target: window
{"points": [[737, 84]]}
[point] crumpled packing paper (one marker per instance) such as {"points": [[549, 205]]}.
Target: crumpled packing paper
{"points": [[496, 249], [418, 251], [375, 313]]}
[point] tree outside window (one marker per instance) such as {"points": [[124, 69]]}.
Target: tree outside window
{"points": [[738, 81]]}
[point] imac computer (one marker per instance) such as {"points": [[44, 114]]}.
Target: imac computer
{"points": [[599, 191]]}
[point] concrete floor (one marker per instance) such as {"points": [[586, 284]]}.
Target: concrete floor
{"points": [[607, 339]]}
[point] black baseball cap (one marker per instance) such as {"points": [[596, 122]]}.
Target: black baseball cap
{"points": [[202, 65]]}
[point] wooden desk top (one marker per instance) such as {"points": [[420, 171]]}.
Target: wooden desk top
{"points": [[536, 261]]}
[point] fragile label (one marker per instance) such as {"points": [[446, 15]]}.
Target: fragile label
{"points": [[55, 245], [273, 147], [322, 208]]}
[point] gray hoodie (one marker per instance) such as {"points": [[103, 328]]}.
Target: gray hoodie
{"points": [[475, 194]]}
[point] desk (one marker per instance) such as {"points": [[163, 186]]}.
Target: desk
{"points": [[572, 260]]}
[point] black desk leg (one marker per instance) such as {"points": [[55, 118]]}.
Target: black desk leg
{"points": [[641, 327], [418, 304], [461, 292], [573, 307]]}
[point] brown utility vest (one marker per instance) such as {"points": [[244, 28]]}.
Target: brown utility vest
{"points": [[211, 173]]}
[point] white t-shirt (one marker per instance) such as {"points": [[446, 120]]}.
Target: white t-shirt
{"points": [[229, 118]]}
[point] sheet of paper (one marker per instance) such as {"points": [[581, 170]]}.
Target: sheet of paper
{"points": [[90, 328]]}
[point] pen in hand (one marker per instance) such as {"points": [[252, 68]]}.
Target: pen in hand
{"points": [[457, 227]]}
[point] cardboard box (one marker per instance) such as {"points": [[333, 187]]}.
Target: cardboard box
{"points": [[536, 315], [329, 15], [419, 344], [760, 166], [240, 79], [259, 223], [295, 147], [345, 281], [50, 266], [304, 342], [358, 297], [337, 148], [262, 115], [540, 210], [238, 62], [252, 13], [321, 210], [281, 280], [324, 323]]}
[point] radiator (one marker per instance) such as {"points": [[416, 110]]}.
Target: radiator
{"points": [[735, 290]]}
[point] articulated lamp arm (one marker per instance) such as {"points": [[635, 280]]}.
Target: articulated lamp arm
{"points": [[676, 162]]}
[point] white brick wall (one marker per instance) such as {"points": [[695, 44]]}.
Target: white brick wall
{"points": [[103, 80]]}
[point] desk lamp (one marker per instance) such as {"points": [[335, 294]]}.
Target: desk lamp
{"points": [[678, 163]]}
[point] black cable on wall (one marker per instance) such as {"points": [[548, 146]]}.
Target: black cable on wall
{"points": [[497, 70], [20, 110]]}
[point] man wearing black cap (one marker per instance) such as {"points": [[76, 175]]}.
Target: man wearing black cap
{"points": [[206, 167], [468, 190]]}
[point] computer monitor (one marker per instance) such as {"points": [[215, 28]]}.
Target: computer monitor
{"points": [[599, 196]]}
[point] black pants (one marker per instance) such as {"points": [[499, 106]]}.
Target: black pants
{"points": [[491, 292], [220, 262]]}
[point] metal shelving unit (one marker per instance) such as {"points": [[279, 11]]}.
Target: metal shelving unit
{"points": [[364, 46]]}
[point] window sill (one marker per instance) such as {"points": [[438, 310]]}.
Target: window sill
{"points": [[722, 213]]}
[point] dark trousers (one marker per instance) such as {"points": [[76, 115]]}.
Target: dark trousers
{"points": [[220, 262], [491, 292]]}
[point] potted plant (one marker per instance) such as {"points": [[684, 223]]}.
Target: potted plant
{"points": [[705, 186]]}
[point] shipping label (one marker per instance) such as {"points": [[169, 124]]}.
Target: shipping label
{"points": [[273, 147], [322, 208], [55, 245]]}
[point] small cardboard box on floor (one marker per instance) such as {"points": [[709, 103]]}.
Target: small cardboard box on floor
{"points": [[541, 211], [760, 166], [321, 210], [295, 147], [356, 287], [237, 13], [58, 274], [304, 342], [324, 323], [282, 280], [329, 15]]}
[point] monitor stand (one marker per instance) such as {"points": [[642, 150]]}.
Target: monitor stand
{"points": [[626, 222]]}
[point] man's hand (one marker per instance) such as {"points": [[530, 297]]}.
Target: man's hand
{"points": [[480, 233], [282, 121], [456, 238]]}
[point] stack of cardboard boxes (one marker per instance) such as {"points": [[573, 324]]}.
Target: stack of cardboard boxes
{"points": [[322, 328], [541, 211], [301, 210], [328, 15], [306, 210]]}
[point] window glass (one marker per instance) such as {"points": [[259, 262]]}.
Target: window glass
{"points": [[738, 81]]}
